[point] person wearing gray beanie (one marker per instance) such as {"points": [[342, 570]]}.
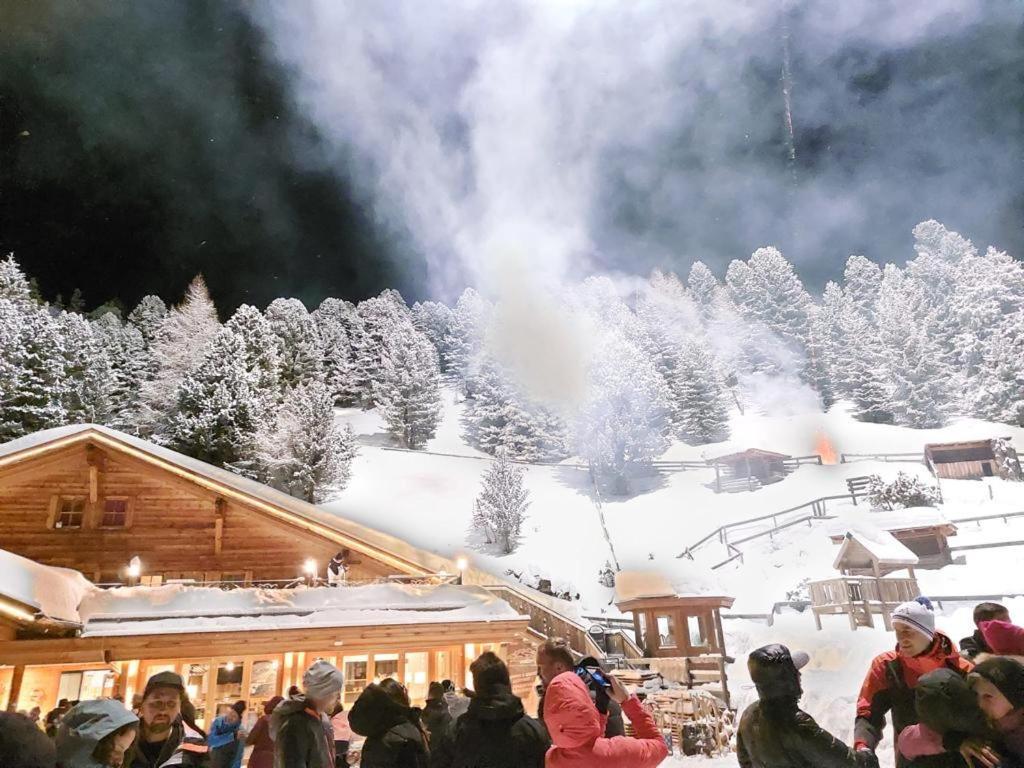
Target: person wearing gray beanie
{"points": [[300, 726]]}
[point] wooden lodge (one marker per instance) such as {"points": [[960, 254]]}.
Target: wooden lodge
{"points": [[121, 558], [681, 635], [863, 589], [925, 532], [969, 460], [749, 470]]}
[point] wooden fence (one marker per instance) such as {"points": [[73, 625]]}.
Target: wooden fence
{"points": [[859, 597]]}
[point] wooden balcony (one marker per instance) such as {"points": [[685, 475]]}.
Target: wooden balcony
{"points": [[859, 597]]}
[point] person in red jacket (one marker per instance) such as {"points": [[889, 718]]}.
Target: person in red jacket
{"points": [[576, 729], [890, 682]]}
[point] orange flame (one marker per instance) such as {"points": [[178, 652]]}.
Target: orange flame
{"points": [[824, 448]]}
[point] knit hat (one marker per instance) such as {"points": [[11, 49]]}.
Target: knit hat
{"points": [[916, 614], [163, 680], [435, 691], [322, 680], [1006, 674]]}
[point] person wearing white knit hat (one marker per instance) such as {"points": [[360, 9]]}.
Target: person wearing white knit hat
{"points": [[300, 727], [890, 683]]}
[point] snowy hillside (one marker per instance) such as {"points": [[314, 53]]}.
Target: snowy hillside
{"points": [[428, 499]]}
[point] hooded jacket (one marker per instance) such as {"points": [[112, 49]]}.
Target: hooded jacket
{"points": [[259, 737], [494, 733], [948, 712], [84, 726], [889, 686], [576, 729], [775, 733], [393, 735], [302, 736]]}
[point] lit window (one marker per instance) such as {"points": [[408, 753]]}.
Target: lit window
{"points": [[666, 632], [69, 513], [115, 513]]}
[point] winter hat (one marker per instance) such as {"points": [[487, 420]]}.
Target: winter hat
{"points": [[945, 702], [435, 692], [1006, 674], [163, 680], [271, 705], [322, 680], [916, 614]]}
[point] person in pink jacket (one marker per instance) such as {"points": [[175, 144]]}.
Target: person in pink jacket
{"points": [[1003, 637], [577, 729]]}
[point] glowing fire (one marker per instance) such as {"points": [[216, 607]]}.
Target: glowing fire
{"points": [[824, 448]]}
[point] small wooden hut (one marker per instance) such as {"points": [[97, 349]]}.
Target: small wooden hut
{"points": [[681, 634], [865, 557], [749, 469], [968, 460], [924, 531]]}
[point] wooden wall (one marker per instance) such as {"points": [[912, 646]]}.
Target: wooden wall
{"points": [[966, 470], [174, 524]]}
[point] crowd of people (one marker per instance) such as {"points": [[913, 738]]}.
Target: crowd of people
{"points": [[950, 707]]}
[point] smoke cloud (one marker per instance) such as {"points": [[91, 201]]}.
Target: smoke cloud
{"points": [[617, 137]]}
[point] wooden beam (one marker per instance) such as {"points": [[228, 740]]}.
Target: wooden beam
{"points": [[15, 693]]}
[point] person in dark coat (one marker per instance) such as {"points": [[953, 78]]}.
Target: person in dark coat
{"points": [[495, 732], [394, 736], [554, 658], [949, 716], [164, 738], [262, 755], [436, 718], [775, 733], [973, 645], [23, 745], [300, 727]]}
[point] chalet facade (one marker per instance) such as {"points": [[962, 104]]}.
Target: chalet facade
{"points": [[118, 554]]}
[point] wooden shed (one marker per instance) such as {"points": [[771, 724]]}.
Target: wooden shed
{"points": [[970, 460], [924, 531], [749, 469], [681, 634], [863, 589]]}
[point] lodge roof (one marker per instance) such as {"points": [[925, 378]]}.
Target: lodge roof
{"points": [[750, 453], [879, 545], [398, 553]]}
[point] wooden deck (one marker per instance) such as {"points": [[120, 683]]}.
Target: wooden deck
{"points": [[859, 597]]}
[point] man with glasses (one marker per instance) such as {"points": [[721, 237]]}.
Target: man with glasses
{"points": [[164, 739]]}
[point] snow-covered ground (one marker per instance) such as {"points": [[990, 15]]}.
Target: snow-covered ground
{"points": [[428, 499]]}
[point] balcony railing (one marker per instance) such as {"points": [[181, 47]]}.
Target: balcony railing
{"points": [[859, 597]]}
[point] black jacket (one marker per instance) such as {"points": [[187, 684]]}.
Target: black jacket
{"points": [[494, 733], [973, 645], [393, 735], [775, 734], [185, 747], [436, 718], [303, 738]]}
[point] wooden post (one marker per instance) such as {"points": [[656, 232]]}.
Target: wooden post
{"points": [[15, 693], [247, 663], [718, 479], [218, 525]]}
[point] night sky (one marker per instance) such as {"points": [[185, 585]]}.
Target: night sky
{"points": [[143, 143]]}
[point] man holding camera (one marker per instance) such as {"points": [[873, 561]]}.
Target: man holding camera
{"points": [[554, 658]]}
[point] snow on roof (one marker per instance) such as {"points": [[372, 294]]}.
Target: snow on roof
{"points": [[54, 592], [178, 608], [687, 580], [881, 545], [751, 453], [428, 561], [895, 520]]}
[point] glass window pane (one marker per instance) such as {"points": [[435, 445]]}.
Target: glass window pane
{"points": [[666, 632], [416, 677], [695, 631], [70, 686], [115, 513], [385, 665], [262, 682], [195, 687], [355, 676]]}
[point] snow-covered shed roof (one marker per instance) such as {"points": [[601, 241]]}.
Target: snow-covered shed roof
{"points": [[178, 608], [879, 545], [750, 453], [690, 582], [908, 519], [349, 533], [44, 590]]}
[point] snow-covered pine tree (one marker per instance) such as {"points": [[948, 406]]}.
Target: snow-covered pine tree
{"points": [[502, 503], [12, 354], [498, 416], [407, 390], [178, 346], [465, 337], [380, 317], [623, 421], [85, 375], [219, 409], [147, 316], [703, 286], [921, 394], [862, 373], [306, 454], [262, 352], [337, 322], [862, 279], [699, 401], [669, 319], [34, 368], [434, 320], [129, 366], [827, 343], [300, 349], [14, 285], [998, 388]]}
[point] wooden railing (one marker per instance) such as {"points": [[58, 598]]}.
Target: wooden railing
{"points": [[859, 597], [547, 621], [909, 458], [707, 672]]}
